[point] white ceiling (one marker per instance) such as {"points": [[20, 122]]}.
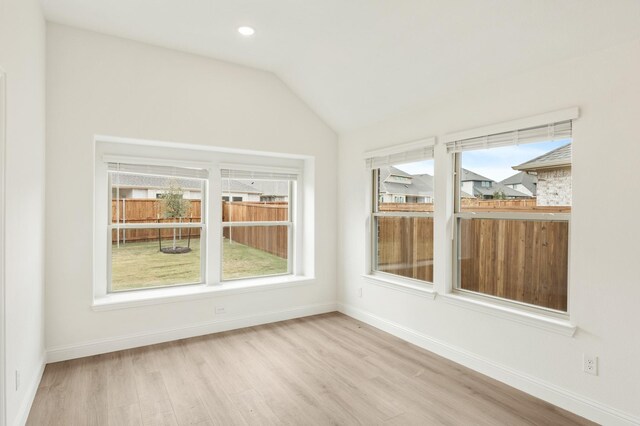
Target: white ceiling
{"points": [[356, 62]]}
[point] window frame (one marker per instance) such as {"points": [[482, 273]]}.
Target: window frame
{"points": [[458, 215], [110, 149], [117, 226], [412, 149], [290, 223]]}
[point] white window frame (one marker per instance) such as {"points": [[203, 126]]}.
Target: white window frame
{"points": [[127, 150], [451, 141], [408, 152], [117, 226], [458, 216], [293, 266]]}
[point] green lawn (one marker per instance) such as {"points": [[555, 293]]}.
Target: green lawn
{"points": [[142, 265]]}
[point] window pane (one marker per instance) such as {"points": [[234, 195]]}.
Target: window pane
{"points": [[141, 198], [253, 251], [406, 187], [143, 258], [245, 200], [520, 178], [521, 260], [405, 246]]}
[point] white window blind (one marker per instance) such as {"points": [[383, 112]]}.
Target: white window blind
{"points": [[155, 170], [547, 132], [258, 175], [376, 160]]}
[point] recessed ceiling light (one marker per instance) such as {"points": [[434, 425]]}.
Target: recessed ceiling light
{"points": [[246, 31]]}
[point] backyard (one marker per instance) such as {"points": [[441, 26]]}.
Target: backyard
{"points": [[142, 265]]}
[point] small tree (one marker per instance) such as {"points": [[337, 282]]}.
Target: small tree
{"points": [[499, 195], [174, 206]]}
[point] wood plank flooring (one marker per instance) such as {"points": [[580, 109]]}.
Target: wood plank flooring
{"points": [[322, 370]]}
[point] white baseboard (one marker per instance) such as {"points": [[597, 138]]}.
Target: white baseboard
{"points": [[30, 394], [546, 391], [95, 347]]}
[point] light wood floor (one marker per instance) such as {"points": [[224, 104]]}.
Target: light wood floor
{"points": [[327, 369]]}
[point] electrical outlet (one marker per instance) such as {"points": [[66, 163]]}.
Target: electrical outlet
{"points": [[360, 292], [17, 380], [590, 364], [220, 310]]}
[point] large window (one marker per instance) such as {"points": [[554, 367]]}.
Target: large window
{"points": [[257, 223], [156, 226], [402, 214], [512, 213]]}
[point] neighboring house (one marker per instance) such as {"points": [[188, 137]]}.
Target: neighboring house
{"points": [[478, 186], [553, 172], [234, 190], [270, 190], [396, 186], [146, 186], [523, 182], [138, 186]]}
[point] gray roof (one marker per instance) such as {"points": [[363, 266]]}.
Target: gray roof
{"points": [[523, 178], [468, 175], [421, 185], [559, 157], [230, 185], [279, 188]]}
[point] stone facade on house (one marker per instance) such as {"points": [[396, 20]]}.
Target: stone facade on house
{"points": [[553, 173], [554, 187]]}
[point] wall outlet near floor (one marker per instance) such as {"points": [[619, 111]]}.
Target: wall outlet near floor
{"points": [[359, 291], [221, 310], [590, 364], [17, 380]]}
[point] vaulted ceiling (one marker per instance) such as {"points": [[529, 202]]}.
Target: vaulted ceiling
{"points": [[356, 62]]}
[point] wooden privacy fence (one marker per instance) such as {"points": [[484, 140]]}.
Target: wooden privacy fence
{"points": [[520, 260], [473, 204], [148, 211], [272, 239], [405, 246]]}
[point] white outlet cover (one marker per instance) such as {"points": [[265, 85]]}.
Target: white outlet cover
{"points": [[590, 364]]}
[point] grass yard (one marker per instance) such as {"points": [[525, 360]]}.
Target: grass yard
{"points": [[142, 265], [242, 261]]}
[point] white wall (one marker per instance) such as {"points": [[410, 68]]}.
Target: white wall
{"points": [[22, 56], [98, 84], [605, 283]]}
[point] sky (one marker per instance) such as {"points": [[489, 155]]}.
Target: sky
{"points": [[493, 163]]}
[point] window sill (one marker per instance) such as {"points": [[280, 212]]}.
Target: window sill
{"points": [[158, 296], [404, 285], [555, 325]]}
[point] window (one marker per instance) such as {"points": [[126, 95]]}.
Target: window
{"points": [[512, 237], [156, 232], [173, 223], [226, 198], [402, 212], [257, 232]]}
